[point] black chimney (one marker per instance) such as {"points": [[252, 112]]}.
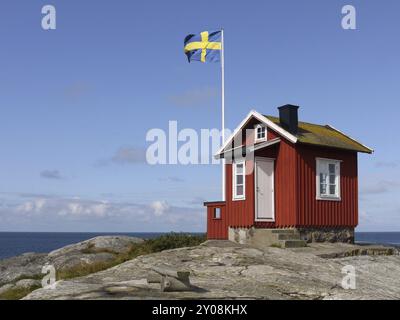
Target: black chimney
{"points": [[288, 117]]}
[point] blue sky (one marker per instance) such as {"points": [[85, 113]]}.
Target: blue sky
{"points": [[76, 103]]}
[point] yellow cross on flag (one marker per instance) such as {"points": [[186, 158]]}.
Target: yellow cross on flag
{"points": [[205, 47]]}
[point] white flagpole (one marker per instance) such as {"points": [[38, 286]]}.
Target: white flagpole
{"points": [[223, 109]]}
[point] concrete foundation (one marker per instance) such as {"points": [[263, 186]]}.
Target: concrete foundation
{"points": [[289, 238], [261, 238], [241, 235]]}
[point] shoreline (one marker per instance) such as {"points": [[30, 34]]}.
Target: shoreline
{"points": [[116, 267], [45, 242], [357, 243]]}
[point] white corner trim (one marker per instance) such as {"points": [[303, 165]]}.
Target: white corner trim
{"points": [[346, 135], [262, 119]]}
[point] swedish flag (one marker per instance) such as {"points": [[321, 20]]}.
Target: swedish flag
{"points": [[205, 47]]}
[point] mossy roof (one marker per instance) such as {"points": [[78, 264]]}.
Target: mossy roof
{"points": [[324, 135]]}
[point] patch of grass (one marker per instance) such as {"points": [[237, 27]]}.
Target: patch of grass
{"points": [[276, 245], [26, 276], [17, 293], [84, 269], [174, 240], [91, 250], [164, 242]]}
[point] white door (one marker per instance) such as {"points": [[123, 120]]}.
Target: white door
{"points": [[264, 185]]}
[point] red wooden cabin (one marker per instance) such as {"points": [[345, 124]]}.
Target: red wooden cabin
{"points": [[282, 173]]}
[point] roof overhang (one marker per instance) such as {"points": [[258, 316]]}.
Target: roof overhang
{"points": [[265, 144], [254, 114], [243, 150]]}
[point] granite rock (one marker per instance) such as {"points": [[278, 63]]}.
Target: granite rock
{"points": [[224, 270]]}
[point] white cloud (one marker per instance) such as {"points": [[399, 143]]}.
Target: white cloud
{"points": [[82, 208], [75, 208], [31, 206], [365, 217], [25, 207], [34, 213], [39, 204], [99, 209], [159, 207]]}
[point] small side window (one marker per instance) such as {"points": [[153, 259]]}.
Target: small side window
{"points": [[217, 213]]}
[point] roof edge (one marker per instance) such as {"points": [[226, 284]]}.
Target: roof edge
{"points": [[370, 150]]}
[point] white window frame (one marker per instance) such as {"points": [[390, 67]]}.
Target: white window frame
{"points": [[337, 163], [235, 196], [217, 213], [259, 126]]}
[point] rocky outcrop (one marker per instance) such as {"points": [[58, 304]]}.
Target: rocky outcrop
{"points": [[24, 272], [93, 251], [110, 244], [25, 266], [224, 270]]}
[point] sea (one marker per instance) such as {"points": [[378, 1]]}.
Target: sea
{"points": [[16, 243]]}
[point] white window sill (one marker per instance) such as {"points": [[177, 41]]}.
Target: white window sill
{"points": [[239, 199], [329, 198]]}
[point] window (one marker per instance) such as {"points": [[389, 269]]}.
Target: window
{"points": [[260, 132], [239, 180], [328, 179], [217, 213]]}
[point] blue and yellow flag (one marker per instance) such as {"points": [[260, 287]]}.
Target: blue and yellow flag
{"points": [[205, 47]]}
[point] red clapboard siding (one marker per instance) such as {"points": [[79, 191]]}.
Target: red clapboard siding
{"points": [[216, 228], [322, 213], [241, 212]]}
